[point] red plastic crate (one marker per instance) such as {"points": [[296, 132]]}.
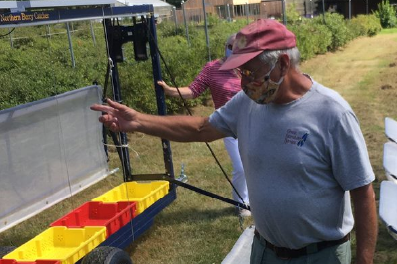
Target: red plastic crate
{"points": [[11, 261], [112, 215]]}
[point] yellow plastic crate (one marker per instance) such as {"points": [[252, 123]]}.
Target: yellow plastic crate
{"points": [[145, 194], [60, 243]]}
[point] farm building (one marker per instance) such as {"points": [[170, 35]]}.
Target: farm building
{"points": [[253, 9]]}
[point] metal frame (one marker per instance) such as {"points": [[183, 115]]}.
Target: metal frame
{"points": [[138, 225], [42, 17], [19, 6]]}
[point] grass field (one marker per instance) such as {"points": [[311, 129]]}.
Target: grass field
{"points": [[197, 229]]}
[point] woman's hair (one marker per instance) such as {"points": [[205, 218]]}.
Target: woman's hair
{"points": [[230, 40]]}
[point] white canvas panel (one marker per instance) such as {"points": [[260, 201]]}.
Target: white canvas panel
{"points": [[49, 150]]}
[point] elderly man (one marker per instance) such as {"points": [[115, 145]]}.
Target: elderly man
{"points": [[301, 146]]}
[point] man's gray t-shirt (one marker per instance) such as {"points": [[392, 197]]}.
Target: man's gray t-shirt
{"points": [[300, 161]]}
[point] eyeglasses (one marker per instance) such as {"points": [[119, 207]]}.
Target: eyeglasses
{"points": [[250, 75], [247, 73]]}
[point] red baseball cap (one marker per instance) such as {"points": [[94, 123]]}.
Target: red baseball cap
{"points": [[263, 34]]}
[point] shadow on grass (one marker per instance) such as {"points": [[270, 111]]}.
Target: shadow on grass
{"points": [[183, 215], [188, 227], [385, 240]]}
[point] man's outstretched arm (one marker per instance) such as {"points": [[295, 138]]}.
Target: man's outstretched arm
{"points": [[119, 117]]}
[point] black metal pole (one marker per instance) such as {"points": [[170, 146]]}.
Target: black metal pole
{"points": [[207, 39], [164, 177], [125, 156], [160, 98]]}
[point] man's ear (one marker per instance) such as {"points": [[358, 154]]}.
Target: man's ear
{"points": [[284, 63]]}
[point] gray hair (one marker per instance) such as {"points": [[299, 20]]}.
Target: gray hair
{"points": [[230, 40], [269, 57]]}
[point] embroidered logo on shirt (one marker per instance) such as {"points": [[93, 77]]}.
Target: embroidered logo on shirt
{"points": [[296, 137]]}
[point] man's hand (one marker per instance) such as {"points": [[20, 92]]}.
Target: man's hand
{"points": [[118, 117]]}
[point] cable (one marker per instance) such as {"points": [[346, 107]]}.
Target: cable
{"points": [[5, 35]]}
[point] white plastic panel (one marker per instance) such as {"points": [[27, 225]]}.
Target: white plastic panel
{"points": [[49, 150], [390, 160], [241, 251], [388, 206], [391, 129]]}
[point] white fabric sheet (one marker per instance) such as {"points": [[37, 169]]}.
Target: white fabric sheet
{"points": [[49, 150]]}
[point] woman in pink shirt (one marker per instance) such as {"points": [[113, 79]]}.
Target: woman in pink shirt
{"points": [[223, 86]]}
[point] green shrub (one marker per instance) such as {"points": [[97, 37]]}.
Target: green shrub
{"points": [[336, 24], [40, 66], [213, 19], [373, 25], [357, 26], [386, 14], [292, 14], [312, 38], [364, 25], [168, 29]]}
